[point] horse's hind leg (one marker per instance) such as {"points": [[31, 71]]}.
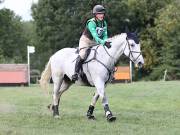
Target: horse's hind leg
{"points": [[57, 80], [91, 107], [66, 83]]}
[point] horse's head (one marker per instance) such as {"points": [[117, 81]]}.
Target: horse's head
{"points": [[132, 49]]}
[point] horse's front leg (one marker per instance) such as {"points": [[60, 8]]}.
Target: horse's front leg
{"points": [[91, 107], [100, 86]]}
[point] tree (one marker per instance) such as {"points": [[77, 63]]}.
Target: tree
{"points": [[59, 24], [13, 43], [168, 34]]}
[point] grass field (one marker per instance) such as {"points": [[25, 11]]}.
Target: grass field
{"points": [[142, 108]]}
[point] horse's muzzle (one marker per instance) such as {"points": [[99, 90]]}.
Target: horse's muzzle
{"points": [[140, 64]]}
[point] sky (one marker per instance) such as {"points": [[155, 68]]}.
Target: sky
{"points": [[20, 7]]}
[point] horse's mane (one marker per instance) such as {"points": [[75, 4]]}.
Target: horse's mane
{"points": [[114, 37]]}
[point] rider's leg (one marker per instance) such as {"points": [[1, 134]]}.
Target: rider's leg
{"points": [[78, 65], [84, 43]]}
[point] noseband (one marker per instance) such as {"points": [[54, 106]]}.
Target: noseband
{"points": [[131, 52]]}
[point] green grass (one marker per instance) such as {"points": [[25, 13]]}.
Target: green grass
{"points": [[142, 108]]}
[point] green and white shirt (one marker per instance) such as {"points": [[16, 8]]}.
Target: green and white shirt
{"points": [[96, 30]]}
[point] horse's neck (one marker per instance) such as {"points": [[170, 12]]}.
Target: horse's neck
{"points": [[118, 44], [115, 52]]}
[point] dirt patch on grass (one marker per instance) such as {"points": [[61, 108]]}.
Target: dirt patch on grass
{"points": [[7, 108]]}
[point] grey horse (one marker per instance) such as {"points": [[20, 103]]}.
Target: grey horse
{"points": [[97, 70]]}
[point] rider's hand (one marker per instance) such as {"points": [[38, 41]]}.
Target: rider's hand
{"points": [[107, 44]]}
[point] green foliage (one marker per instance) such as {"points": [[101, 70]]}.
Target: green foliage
{"points": [[166, 33], [12, 43], [1, 56], [29, 31], [59, 23]]}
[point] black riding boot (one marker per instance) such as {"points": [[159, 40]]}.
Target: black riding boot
{"points": [[78, 65]]}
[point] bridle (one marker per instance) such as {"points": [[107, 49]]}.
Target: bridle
{"points": [[131, 52], [111, 70]]}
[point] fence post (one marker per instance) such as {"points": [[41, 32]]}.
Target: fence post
{"points": [[30, 49], [130, 68]]}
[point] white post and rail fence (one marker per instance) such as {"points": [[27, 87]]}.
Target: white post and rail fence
{"points": [[30, 49]]}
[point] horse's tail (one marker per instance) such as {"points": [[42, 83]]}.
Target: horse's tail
{"points": [[45, 76]]}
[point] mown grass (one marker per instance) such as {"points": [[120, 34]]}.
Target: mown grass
{"points": [[142, 108]]}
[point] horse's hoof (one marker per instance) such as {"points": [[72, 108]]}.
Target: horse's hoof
{"points": [[111, 118], [91, 117], [49, 107], [56, 116]]}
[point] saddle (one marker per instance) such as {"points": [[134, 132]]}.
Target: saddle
{"points": [[86, 60], [89, 59], [88, 51]]}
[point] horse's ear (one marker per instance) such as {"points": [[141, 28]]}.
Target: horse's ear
{"points": [[126, 21], [136, 31]]}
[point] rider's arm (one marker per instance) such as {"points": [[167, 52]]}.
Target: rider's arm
{"points": [[105, 35], [92, 28]]}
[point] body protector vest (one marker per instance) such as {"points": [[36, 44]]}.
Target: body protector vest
{"points": [[100, 28]]}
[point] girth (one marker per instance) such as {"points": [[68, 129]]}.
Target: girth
{"points": [[110, 71]]}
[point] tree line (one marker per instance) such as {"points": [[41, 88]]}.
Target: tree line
{"points": [[59, 23]]}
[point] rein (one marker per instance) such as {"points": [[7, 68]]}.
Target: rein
{"points": [[131, 52], [110, 71]]}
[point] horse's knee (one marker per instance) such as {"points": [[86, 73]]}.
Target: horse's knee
{"points": [[96, 97], [55, 99], [103, 98], [101, 94]]}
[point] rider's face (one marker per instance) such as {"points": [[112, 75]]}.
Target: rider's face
{"points": [[100, 16]]}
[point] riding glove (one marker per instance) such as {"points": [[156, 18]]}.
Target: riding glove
{"points": [[107, 44]]}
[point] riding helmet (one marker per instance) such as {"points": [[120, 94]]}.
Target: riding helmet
{"points": [[99, 9]]}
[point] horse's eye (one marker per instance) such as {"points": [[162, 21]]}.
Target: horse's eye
{"points": [[132, 45]]}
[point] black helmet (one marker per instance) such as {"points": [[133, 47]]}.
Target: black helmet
{"points": [[99, 9]]}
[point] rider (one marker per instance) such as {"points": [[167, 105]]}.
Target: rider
{"points": [[95, 32]]}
